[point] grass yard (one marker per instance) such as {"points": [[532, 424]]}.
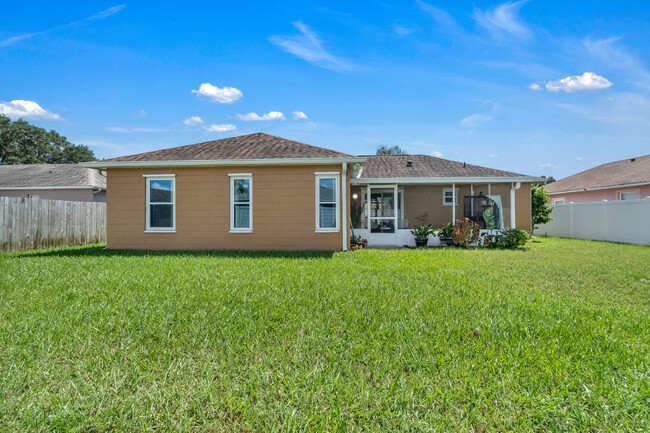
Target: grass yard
{"points": [[93, 340]]}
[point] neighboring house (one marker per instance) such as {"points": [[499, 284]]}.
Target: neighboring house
{"points": [[69, 182], [621, 180], [264, 192]]}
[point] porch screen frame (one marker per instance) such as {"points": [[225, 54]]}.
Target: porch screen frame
{"points": [[395, 207]]}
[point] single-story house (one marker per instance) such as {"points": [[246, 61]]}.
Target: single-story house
{"points": [[69, 182], [628, 179], [264, 192]]}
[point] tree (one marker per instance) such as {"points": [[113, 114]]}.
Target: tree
{"points": [[390, 150], [23, 143], [540, 209], [546, 181]]}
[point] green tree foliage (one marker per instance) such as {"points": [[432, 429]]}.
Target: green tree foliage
{"points": [[541, 210], [390, 150], [546, 181], [23, 143]]}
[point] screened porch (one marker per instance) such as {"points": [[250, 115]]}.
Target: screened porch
{"points": [[385, 213]]}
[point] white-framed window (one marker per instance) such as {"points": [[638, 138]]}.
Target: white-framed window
{"points": [[558, 201], [327, 202], [161, 202], [241, 203], [448, 197], [628, 195]]}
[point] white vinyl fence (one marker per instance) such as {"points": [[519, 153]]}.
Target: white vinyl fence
{"points": [[626, 221], [27, 223]]}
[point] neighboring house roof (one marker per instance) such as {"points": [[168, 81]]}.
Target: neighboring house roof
{"points": [[38, 176], [251, 148], [429, 168], [627, 172]]}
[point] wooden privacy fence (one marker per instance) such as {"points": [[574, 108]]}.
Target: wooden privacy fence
{"points": [[27, 223]]}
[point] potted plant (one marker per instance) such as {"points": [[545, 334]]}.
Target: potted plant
{"points": [[444, 234], [357, 242], [421, 234]]}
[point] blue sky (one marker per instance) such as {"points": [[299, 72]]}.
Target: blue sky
{"points": [[540, 87]]}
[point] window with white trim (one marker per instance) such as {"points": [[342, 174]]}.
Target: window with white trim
{"points": [[628, 195], [161, 203], [327, 202], [447, 196], [558, 201], [241, 203]]}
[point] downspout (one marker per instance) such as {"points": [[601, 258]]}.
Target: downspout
{"points": [[453, 203], [345, 208], [513, 187]]}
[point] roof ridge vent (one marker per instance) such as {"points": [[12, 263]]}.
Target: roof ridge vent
{"points": [[633, 159]]}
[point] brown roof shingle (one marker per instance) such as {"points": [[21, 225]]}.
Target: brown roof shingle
{"points": [[50, 175], [395, 166], [251, 146], [627, 171]]}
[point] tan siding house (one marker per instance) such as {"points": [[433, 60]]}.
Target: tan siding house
{"points": [[254, 192], [261, 192]]}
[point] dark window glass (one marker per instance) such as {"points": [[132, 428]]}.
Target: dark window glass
{"points": [[161, 215]]}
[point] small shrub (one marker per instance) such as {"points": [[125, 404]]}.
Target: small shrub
{"points": [[445, 231], [358, 241], [511, 239], [465, 232]]}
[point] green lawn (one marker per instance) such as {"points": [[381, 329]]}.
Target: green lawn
{"points": [[94, 340]]}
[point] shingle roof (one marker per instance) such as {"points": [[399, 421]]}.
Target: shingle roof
{"points": [[50, 175], [395, 166], [627, 171], [252, 146]]}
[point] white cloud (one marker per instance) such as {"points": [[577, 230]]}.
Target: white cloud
{"points": [[254, 117], [503, 19], [308, 46], [574, 83], [222, 95], [436, 154], [98, 16], [156, 185], [581, 159], [616, 57], [493, 155], [535, 87], [299, 115], [475, 120], [220, 128], [402, 30], [142, 114], [628, 109], [443, 19], [26, 109], [193, 121]]}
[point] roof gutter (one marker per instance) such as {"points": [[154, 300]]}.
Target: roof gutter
{"points": [[444, 180], [598, 188], [222, 162]]}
